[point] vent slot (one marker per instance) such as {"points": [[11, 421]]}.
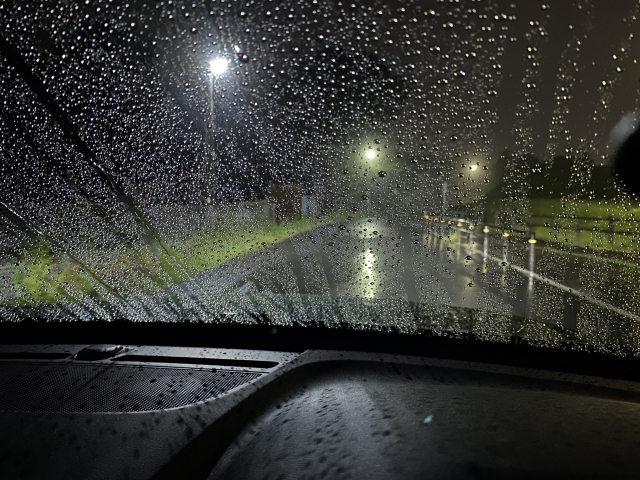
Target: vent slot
{"points": [[220, 362], [33, 356]]}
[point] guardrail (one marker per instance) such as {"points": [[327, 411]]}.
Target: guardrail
{"points": [[581, 224], [478, 226], [606, 226]]}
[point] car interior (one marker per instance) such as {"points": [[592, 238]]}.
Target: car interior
{"points": [[323, 239]]}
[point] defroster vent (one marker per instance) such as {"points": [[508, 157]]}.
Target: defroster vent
{"points": [[67, 387]]}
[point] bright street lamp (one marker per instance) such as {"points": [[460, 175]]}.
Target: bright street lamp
{"points": [[370, 154], [218, 66]]}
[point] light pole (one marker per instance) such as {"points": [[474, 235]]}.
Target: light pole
{"points": [[444, 197], [217, 67]]}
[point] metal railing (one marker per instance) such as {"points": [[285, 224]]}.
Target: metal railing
{"points": [[527, 229]]}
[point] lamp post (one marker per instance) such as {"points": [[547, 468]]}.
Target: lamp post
{"points": [[444, 197], [217, 67]]}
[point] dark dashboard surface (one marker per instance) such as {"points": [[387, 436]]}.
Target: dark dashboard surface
{"points": [[145, 411]]}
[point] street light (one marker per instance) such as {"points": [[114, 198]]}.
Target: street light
{"points": [[218, 66], [370, 154]]}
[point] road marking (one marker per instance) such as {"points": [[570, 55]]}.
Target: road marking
{"points": [[553, 283], [577, 293], [244, 289], [563, 287]]}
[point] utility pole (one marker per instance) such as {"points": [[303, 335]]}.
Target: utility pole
{"points": [[217, 67], [444, 197]]}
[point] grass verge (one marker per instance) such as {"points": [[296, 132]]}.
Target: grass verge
{"points": [[43, 276]]}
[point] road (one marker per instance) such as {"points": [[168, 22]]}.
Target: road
{"points": [[430, 263], [440, 264]]}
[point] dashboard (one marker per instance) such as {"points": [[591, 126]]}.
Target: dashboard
{"points": [[159, 412]]}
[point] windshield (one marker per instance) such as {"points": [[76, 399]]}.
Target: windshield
{"points": [[418, 165]]}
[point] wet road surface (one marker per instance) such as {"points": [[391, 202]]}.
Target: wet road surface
{"points": [[443, 265]]}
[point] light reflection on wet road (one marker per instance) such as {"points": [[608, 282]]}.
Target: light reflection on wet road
{"points": [[448, 266]]}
